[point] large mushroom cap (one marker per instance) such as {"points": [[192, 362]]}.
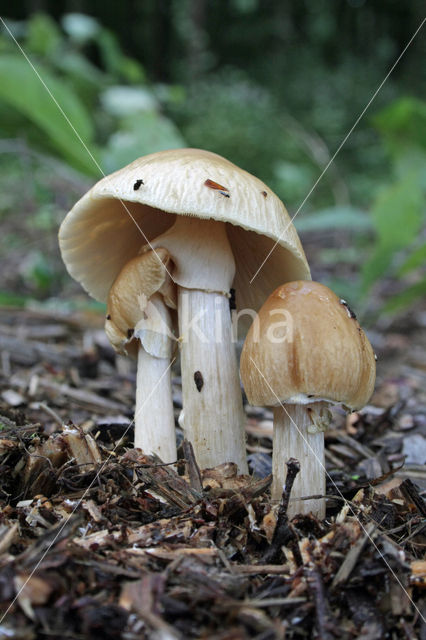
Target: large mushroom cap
{"points": [[123, 211], [307, 345]]}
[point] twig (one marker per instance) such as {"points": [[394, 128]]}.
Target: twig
{"points": [[51, 412], [283, 532], [294, 546], [266, 602], [260, 569], [410, 492], [351, 559], [316, 587]]}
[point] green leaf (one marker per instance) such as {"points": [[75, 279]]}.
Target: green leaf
{"points": [[403, 122], [8, 299], [414, 261], [375, 266], [38, 272], [411, 160], [115, 62], [132, 70], [22, 89], [82, 72], [43, 35], [334, 218], [397, 212], [397, 217], [407, 297]]}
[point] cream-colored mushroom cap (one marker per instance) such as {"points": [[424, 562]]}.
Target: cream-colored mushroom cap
{"points": [[123, 211], [307, 345]]}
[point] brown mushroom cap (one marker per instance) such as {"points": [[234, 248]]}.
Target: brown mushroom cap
{"points": [[326, 354], [100, 234]]}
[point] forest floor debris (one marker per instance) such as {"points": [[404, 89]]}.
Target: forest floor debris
{"points": [[98, 540]]}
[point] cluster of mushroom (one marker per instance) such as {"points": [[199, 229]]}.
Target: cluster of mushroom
{"points": [[162, 242]]}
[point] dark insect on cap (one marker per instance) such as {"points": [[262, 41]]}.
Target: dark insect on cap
{"points": [[137, 184]]}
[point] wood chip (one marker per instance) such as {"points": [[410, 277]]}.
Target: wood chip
{"points": [[351, 559]]}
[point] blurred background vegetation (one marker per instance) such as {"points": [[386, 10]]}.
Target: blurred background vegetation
{"points": [[274, 86]]}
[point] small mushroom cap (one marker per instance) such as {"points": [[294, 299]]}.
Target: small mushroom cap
{"points": [[307, 345], [135, 305], [123, 211]]}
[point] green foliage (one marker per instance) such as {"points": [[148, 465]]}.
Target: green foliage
{"points": [[110, 121], [8, 299], [138, 134], [232, 91], [391, 236], [397, 218], [22, 89], [407, 297], [231, 115], [43, 35], [38, 273], [344, 217], [403, 124], [415, 260]]}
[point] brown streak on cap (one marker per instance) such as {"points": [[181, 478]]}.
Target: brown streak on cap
{"points": [[211, 184]]}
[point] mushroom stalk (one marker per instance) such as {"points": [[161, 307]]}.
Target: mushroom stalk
{"points": [[139, 322], [297, 435], [154, 416], [154, 420], [204, 269], [213, 418]]}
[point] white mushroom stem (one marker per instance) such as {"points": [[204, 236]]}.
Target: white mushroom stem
{"points": [[203, 269], [154, 416], [138, 321], [299, 433], [154, 419], [213, 417]]}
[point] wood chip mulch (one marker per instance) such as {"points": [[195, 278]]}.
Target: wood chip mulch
{"points": [[98, 540]]}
